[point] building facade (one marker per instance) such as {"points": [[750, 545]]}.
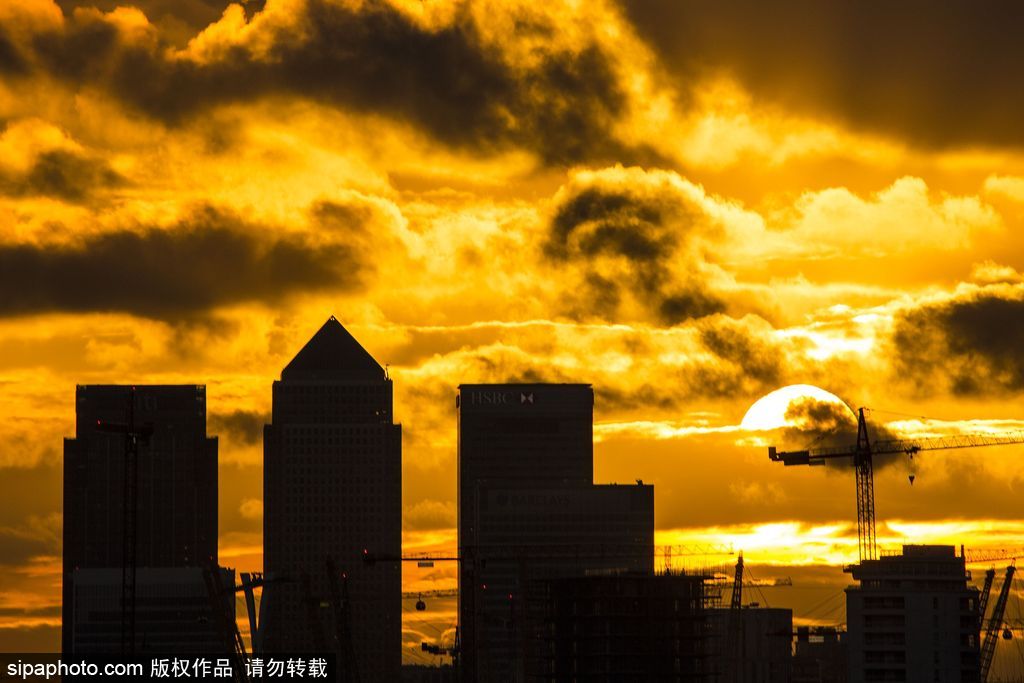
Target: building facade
{"points": [[176, 483], [538, 531], [913, 617], [764, 652], [528, 510], [627, 627], [511, 432], [173, 612], [332, 489], [819, 656]]}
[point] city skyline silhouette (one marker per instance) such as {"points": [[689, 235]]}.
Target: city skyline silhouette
{"points": [[530, 515], [738, 224]]}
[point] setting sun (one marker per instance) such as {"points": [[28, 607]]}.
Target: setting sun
{"points": [[769, 411]]}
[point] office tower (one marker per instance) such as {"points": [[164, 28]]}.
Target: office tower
{"points": [[528, 510], [629, 627], [520, 432], [524, 432], [332, 481], [176, 475], [914, 617]]}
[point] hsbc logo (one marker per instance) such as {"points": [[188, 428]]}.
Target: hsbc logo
{"points": [[500, 398]]}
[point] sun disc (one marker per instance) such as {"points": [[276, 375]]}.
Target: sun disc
{"points": [[769, 411]]}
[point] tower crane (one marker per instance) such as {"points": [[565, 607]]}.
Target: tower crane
{"points": [[863, 452], [735, 637], [222, 608], [341, 605], [993, 555], [133, 436], [990, 575], [988, 647]]}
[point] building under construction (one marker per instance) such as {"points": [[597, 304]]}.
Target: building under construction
{"points": [[629, 627]]}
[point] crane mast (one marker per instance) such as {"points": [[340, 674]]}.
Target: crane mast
{"points": [[222, 609], [988, 647], [133, 435], [865, 470], [735, 635], [342, 622], [990, 575], [129, 515]]}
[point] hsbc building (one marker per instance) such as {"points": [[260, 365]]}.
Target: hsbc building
{"points": [[526, 488]]}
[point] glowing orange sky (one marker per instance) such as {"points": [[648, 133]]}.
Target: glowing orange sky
{"points": [[667, 200]]}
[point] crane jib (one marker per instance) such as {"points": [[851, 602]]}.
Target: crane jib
{"points": [[790, 458]]}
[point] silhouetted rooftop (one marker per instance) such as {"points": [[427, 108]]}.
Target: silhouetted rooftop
{"points": [[333, 354]]}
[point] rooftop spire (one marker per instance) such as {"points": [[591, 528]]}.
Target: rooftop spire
{"points": [[333, 354]]}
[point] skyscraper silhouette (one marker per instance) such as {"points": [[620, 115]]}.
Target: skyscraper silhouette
{"points": [[332, 488], [529, 510], [176, 516]]}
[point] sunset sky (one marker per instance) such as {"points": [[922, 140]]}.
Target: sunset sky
{"points": [[688, 204]]}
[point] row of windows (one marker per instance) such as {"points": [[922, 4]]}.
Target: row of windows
{"points": [[332, 388], [335, 430], [332, 440]]}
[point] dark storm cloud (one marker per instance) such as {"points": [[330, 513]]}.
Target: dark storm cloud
{"points": [[818, 424], [244, 427], [11, 61], [195, 13], [823, 417], [969, 345], [629, 242], [211, 259], [342, 216], [17, 549], [935, 73], [609, 400], [177, 20], [735, 344], [63, 175], [31, 536], [429, 515], [740, 362], [447, 80], [50, 611], [416, 346]]}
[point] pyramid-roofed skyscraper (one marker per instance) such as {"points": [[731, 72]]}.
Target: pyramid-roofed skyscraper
{"points": [[332, 487], [333, 354]]}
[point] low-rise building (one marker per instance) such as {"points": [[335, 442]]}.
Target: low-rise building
{"points": [[629, 627], [913, 617], [764, 652]]}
